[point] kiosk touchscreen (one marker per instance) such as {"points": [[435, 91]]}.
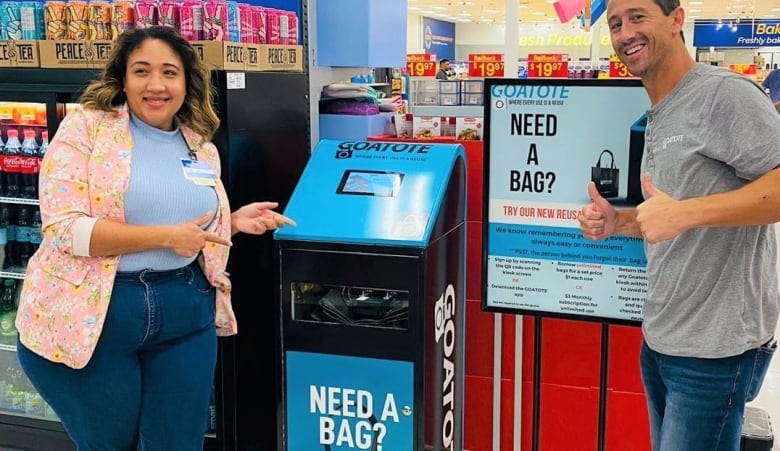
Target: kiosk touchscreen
{"points": [[372, 293]]}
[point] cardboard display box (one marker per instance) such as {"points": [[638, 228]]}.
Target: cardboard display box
{"points": [[19, 54], [220, 55], [74, 54], [283, 58]]}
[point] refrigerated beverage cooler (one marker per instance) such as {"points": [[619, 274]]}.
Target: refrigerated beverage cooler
{"points": [[32, 103], [264, 144]]}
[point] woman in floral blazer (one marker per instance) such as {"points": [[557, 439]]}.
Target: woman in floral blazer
{"points": [[126, 358]]}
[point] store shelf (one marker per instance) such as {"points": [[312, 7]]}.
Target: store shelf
{"points": [[8, 343], [450, 111], [18, 200], [12, 274]]}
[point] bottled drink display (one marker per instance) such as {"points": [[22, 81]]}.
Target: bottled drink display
{"points": [[28, 188], [12, 163], [5, 219], [23, 125], [20, 235], [216, 20], [23, 128], [36, 233], [23, 229], [2, 166], [8, 308], [44, 144]]}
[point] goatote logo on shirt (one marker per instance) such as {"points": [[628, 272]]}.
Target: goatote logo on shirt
{"points": [[672, 139]]}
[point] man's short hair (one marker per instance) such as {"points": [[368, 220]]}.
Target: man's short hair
{"points": [[667, 6], [445, 60]]}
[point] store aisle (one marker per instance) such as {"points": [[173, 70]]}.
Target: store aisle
{"points": [[769, 397]]}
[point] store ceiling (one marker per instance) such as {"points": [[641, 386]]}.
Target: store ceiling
{"points": [[534, 11]]}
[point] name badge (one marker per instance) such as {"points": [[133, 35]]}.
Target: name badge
{"points": [[199, 172]]}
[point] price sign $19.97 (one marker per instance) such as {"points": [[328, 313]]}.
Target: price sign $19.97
{"points": [[421, 64], [486, 65], [548, 65]]}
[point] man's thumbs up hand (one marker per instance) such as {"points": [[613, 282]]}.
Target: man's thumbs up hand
{"points": [[599, 203], [660, 217], [648, 187], [598, 220]]}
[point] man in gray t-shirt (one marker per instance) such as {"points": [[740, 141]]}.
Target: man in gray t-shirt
{"points": [[711, 180]]}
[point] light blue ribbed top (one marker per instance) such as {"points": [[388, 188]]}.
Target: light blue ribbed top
{"points": [[158, 192]]}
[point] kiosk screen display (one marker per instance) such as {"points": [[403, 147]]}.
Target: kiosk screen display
{"points": [[370, 183]]}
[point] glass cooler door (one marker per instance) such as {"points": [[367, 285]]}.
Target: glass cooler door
{"points": [[24, 139]]}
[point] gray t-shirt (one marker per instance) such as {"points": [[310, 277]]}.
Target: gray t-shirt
{"points": [[712, 292]]}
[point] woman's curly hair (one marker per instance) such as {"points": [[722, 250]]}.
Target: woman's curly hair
{"points": [[107, 92]]}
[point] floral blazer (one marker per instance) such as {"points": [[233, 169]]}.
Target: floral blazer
{"points": [[85, 173]]}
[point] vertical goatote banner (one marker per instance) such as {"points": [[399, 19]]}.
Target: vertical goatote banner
{"points": [[545, 141]]}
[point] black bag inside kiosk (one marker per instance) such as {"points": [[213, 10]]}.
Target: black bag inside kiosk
{"points": [[372, 299]]}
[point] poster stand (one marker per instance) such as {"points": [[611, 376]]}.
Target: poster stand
{"points": [[543, 146], [537, 385]]}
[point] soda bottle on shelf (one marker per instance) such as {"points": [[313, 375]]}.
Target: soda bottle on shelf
{"points": [[12, 163], [5, 219], [28, 188], [23, 232], [2, 167], [36, 233], [7, 308], [44, 144], [18, 294], [11, 254]]}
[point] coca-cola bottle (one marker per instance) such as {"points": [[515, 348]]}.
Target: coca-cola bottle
{"points": [[28, 188], [44, 144], [5, 220], [2, 168], [12, 163]]}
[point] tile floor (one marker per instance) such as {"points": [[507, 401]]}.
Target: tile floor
{"points": [[769, 396]]}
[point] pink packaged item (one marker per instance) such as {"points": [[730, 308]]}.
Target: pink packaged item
{"points": [[284, 27], [292, 38], [145, 13], [272, 31], [259, 23], [191, 20], [248, 31], [169, 13], [215, 21]]}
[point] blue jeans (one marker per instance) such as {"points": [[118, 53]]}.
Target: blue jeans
{"points": [[698, 404], [148, 384]]}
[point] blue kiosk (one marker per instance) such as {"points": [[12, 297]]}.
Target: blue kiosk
{"points": [[372, 299]]}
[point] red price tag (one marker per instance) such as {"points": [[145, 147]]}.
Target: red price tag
{"points": [[486, 65], [617, 69], [421, 64], [548, 65]]}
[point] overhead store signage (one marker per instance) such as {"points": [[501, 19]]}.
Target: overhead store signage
{"points": [[439, 38], [486, 65], [421, 64], [617, 69], [576, 39], [728, 33], [542, 143], [548, 65]]}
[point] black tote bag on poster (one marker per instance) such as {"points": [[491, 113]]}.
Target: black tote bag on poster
{"points": [[605, 177]]}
